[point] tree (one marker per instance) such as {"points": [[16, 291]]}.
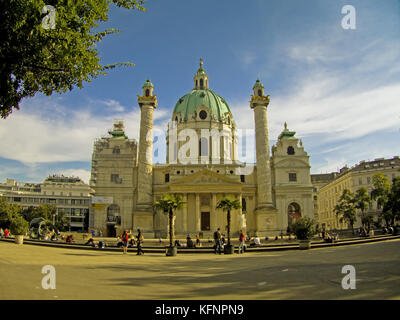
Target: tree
{"points": [[362, 201], [227, 204], [170, 203], [8, 212], [304, 228], [345, 208], [35, 57], [392, 207], [380, 193]]}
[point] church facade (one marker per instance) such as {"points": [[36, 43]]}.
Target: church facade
{"points": [[202, 166]]}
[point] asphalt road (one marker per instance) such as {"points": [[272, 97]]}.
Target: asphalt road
{"points": [[311, 274]]}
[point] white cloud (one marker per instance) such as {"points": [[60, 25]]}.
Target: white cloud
{"points": [[46, 131]]}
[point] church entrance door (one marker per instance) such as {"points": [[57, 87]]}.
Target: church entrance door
{"points": [[111, 232], [205, 221]]}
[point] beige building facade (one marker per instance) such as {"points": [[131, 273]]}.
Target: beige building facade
{"points": [[70, 195], [353, 179], [202, 166]]}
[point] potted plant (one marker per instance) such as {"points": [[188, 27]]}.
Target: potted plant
{"points": [[304, 229], [227, 204], [169, 203], [19, 227]]}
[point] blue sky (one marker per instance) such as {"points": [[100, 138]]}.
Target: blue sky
{"points": [[338, 89]]}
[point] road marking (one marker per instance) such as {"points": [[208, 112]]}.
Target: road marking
{"points": [[262, 283], [284, 270]]}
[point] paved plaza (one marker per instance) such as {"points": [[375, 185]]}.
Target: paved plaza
{"points": [[310, 274]]}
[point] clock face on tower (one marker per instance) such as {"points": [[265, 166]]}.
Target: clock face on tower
{"points": [[203, 115]]}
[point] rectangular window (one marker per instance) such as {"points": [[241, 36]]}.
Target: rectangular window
{"points": [[115, 178], [167, 177], [244, 205], [368, 180], [292, 177], [242, 178], [360, 181]]}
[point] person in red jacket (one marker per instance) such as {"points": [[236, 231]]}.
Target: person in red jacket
{"points": [[6, 233], [242, 240]]}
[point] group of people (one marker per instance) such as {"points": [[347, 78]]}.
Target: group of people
{"points": [[219, 241], [4, 233], [391, 230], [127, 239]]}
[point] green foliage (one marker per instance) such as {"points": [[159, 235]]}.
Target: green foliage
{"points": [[8, 212], [345, 209], [381, 190], [46, 211], [227, 204], [304, 228], [169, 203], [391, 210], [19, 226], [362, 200], [35, 59]]}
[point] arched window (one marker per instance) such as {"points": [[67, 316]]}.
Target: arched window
{"points": [[229, 120], [203, 143], [290, 150], [259, 92], [294, 212], [147, 92], [176, 119], [197, 83], [113, 213], [201, 83]]}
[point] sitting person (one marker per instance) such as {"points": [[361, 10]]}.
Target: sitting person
{"points": [[101, 244], [189, 243], [177, 243], [69, 239], [132, 242], [120, 243], [54, 237], [198, 243], [90, 242], [256, 242]]}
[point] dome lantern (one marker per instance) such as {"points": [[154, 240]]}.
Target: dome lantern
{"points": [[201, 78]]}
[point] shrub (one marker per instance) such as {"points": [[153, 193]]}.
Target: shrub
{"points": [[19, 226], [304, 228]]}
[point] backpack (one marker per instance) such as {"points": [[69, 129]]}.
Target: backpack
{"points": [[216, 235]]}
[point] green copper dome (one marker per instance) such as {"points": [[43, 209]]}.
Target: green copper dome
{"points": [[258, 84], [187, 105], [148, 84]]}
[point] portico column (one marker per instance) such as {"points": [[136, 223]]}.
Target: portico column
{"points": [[214, 220], [198, 227], [185, 213]]}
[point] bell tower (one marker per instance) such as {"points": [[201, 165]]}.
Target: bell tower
{"points": [[143, 213], [265, 211]]}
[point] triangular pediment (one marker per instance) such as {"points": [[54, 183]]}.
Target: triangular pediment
{"points": [[205, 177]]}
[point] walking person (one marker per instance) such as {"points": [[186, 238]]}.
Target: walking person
{"points": [[217, 240], [198, 243], [139, 240], [125, 241], [242, 240]]}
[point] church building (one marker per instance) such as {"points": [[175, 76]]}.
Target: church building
{"points": [[202, 166]]}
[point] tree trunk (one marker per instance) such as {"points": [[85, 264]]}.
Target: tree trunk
{"points": [[229, 227], [171, 228]]}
